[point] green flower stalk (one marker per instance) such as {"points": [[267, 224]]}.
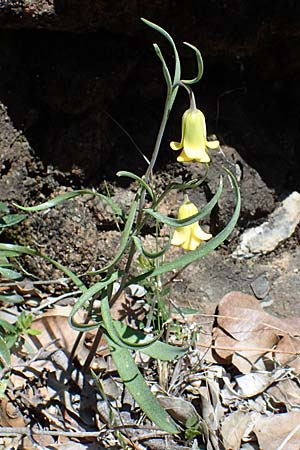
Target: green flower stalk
{"points": [[190, 236], [193, 142]]}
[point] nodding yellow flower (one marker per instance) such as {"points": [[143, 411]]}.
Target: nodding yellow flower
{"points": [[190, 236], [193, 139]]}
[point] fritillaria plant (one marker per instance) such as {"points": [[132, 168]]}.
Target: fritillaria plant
{"points": [[185, 231]]}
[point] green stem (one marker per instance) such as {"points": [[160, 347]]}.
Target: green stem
{"points": [[147, 176]]}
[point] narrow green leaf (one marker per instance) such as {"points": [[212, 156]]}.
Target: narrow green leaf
{"points": [[4, 361], [15, 298], [177, 72], [113, 333], [19, 249], [186, 311], [4, 208], [33, 332], [192, 184], [192, 219], [88, 294], [68, 196], [199, 64], [156, 350], [124, 173], [165, 68], [150, 255], [9, 274], [8, 254], [204, 249], [12, 219], [124, 239], [138, 388], [6, 327], [4, 353]]}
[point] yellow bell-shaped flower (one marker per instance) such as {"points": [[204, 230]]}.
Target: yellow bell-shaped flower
{"points": [[190, 236], [193, 139]]}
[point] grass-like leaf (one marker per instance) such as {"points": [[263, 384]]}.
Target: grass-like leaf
{"points": [[88, 294], [11, 219], [4, 361], [192, 219], [15, 250], [115, 336], [199, 64], [138, 388], [151, 255], [124, 239], [156, 350], [10, 274], [125, 173], [68, 196]]}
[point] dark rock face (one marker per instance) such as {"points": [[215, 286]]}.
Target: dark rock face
{"points": [[237, 29], [237, 26], [74, 72]]}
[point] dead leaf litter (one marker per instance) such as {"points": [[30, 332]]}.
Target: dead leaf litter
{"points": [[237, 388]]}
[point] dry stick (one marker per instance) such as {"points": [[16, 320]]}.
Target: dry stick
{"points": [[243, 319], [288, 437], [250, 349], [9, 431]]}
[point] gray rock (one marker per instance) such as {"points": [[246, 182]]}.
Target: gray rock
{"points": [[280, 226], [260, 286]]}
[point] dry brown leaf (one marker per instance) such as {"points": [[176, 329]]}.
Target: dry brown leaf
{"points": [[233, 429], [10, 414], [246, 332], [53, 325], [287, 393], [212, 411], [178, 408], [280, 431], [245, 360], [289, 344]]}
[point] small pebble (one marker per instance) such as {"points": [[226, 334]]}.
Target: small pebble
{"points": [[260, 286]]}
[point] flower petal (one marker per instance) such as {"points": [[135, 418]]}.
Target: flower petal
{"points": [[176, 145], [212, 144], [198, 154], [179, 236], [200, 234], [190, 244], [183, 157]]}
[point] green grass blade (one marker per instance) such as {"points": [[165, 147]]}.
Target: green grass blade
{"points": [[11, 219], [112, 331], [177, 72], [150, 255], [4, 361], [12, 249], [9, 274], [165, 68], [15, 298]]}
